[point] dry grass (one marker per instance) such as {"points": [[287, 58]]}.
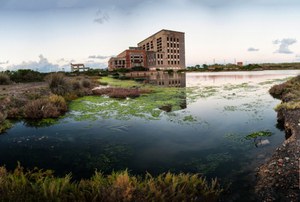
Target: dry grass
{"points": [[38, 185], [58, 84], [50, 107]]}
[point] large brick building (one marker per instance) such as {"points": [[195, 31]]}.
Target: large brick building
{"points": [[163, 50]]}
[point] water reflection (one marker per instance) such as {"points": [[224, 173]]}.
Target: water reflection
{"points": [[160, 78]]}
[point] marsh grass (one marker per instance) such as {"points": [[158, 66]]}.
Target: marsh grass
{"points": [[39, 185]]}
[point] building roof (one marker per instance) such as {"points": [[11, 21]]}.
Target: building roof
{"points": [[163, 30]]}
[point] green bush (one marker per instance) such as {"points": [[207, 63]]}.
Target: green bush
{"points": [[26, 75], [4, 79]]}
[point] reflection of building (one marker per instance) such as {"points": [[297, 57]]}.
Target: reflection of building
{"points": [[160, 78], [163, 50], [133, 57]]}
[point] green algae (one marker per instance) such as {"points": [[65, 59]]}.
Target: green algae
{"points": [[189, 118], [146, 106], [119, 83], [5, 125], [254, 135]]}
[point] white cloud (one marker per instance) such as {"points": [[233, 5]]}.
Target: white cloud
{"points": [[101, 57], [251, 49], [42, 65], [284, 45], [4, 63]]}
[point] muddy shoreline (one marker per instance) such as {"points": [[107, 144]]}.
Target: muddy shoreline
{"points": [[278, 179]]}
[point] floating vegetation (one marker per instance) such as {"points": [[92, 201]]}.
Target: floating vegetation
{"points": [[230, 87], [254, 135], [149, 106], [194, 93], [230, 108], [189, 118]]}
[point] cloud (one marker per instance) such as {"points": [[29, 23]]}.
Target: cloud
{"points": [[100, 57], [251, 49], [284, 45], [297, 57], [101, 17], [43, 65], [4, 63], [95, 65]]}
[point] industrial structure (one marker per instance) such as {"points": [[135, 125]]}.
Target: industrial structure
{"points": [[163, 50], [78, 67]]}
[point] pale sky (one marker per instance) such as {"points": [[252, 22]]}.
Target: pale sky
{"points": [[49, 34]]}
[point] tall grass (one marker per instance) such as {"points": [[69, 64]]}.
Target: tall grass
{"points": [[39, 185]]}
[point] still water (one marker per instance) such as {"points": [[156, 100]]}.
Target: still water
{"points": [[206, 135]]}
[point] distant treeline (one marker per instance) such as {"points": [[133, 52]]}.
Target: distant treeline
{"points": [[28, 75], [248, 67]]}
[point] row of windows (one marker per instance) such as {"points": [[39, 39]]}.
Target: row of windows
{"points": [[174, 62], [173, 56], [172, 39], [159, 55], [136, 61], [173, 45], [119, 62], [172, 51]]}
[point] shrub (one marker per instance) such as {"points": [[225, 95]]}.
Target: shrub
{"points": [[70, 96], [59, 84], [76, 85], [86, 83], [51, 107], [26, 75], [4, 79], [59, 102], [278, 90]]}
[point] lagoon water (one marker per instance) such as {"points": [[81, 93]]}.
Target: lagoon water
{"points": [[207, 135]]}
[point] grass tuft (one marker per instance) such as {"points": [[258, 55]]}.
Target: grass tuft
{"points": [[39, 185]]}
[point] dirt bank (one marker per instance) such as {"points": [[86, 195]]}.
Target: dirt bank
{"points": [[278, 179]]}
